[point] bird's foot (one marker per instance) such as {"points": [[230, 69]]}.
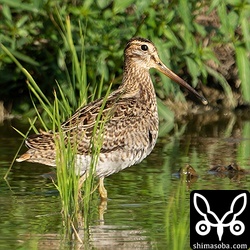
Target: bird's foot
{"points": [[102, 190]]}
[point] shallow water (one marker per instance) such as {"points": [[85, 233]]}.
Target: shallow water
{"points": [[135, 214]]}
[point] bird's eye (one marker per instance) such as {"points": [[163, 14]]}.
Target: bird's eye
{"points": [[144, 47]]}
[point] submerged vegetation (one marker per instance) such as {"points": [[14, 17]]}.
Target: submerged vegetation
{"points": [[177, 218]]}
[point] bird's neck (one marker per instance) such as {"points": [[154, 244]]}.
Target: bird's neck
{"points": [[137, 82]]}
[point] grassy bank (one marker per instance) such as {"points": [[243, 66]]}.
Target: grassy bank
{"points": [[205, 42]]}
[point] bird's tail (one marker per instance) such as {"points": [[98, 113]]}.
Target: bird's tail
{"points": [[41, 149]]}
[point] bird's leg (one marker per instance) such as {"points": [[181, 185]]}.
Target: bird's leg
{"points": [[102, 189], [80, 183], [102, 209]]}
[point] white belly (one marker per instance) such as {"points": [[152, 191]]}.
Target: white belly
{"points": [[109, 163]]}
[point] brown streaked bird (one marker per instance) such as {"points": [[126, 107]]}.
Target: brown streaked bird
{"points": [[131, 127]]}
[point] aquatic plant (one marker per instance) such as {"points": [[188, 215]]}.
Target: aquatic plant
{"points": [[177, 218], [75, 206]]}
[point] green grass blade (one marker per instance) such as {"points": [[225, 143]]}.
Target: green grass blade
{"points": [[185, 14], [244, 71], [20, 5], [245, 27], [65, 103], [224, 84], [164, 112], [31, 82], [21, 145], [23, 57], [177, 219]]}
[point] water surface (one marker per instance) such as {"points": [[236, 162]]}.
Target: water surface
{"points": [[135, 214]]}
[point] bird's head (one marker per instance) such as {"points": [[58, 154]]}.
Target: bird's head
{"points": [[143, 53]]}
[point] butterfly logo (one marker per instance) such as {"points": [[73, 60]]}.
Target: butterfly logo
{"points": [[203, 227]]}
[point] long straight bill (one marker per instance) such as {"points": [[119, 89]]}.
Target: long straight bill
{"points": [[166, 71]]}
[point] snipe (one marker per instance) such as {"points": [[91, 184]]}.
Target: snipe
{"points": [[131, 129]]}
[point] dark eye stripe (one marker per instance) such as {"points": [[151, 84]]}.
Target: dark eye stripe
{"points": [[144, 47]]}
